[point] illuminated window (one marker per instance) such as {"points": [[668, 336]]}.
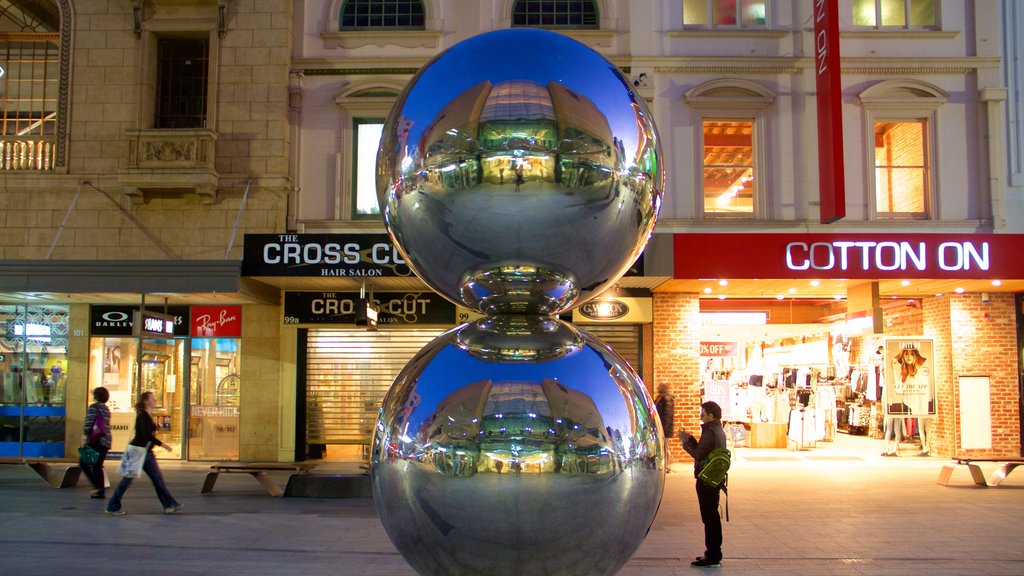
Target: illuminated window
{"points": [[729, 171], [900, 115], [895, 13], [579, 14], [367, 134], [381, 14], [32, 65], [725, 13], [728, 179], [901, 169]]}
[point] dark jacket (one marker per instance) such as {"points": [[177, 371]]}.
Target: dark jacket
{"points": [[712, 436], [666, 405], [145, 431]]}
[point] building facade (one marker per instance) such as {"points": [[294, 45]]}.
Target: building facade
{"points": [[174, 132]]}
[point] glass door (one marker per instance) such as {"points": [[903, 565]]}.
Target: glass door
{"points": [[214, 389]]}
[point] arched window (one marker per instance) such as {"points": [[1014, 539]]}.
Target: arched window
{"points": [[381, 14], [732, 116], [901, 115], [577, 14], [34, 56]]}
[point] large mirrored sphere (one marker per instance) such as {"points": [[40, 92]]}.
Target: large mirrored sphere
{"points": [[519, 172], [500, 454]]}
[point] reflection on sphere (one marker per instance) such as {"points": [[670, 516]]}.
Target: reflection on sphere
{"points": [[520, 173], [500, 454]]}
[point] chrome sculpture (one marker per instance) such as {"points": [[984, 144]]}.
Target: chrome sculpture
{"points": [[519, 175]]}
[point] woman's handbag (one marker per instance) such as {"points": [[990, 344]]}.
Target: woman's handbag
{"points": [[132, 460], [87, 455]]}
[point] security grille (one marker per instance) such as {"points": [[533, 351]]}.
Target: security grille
{"points": [[347, 374], [623, 338]]}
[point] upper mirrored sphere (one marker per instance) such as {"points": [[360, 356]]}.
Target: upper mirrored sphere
{"points": [[519, 172]]}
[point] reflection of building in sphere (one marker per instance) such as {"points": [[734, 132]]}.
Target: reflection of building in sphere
{"points": [[545, 133], [545, 426]]}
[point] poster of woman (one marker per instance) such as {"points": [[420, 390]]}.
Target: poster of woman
{"points": [[909, 379]]}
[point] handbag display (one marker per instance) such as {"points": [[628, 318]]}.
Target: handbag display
{"points": [[87, 456], [132, 460]]}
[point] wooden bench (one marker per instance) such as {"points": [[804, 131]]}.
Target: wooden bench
{"points": [[58, 473], [1008, 465], [257, 471]]}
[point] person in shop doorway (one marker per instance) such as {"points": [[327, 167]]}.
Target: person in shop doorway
{"points": [[665, 402], [519, 178], [712, 435], [99, 440], [145, 437]]}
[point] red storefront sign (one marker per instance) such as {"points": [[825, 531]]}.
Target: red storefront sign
{"points": [[860, 256], [831, 174], [718, 349], [217, 321]]}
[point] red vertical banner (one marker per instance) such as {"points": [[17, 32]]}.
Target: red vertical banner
{"points": [[831, 176]]}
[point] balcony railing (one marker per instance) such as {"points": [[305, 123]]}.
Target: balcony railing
{"points": [[26, 154]]}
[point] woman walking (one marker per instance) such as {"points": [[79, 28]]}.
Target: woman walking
{"points": [[145, 438], [96, 433]]}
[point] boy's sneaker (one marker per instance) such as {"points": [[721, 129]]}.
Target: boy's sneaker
{"points": [[120, 512], [173, 509], [705, 562]]}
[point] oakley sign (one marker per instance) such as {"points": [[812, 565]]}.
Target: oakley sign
{"points": [[887, 256]]}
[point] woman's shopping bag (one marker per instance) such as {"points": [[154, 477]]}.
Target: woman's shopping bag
{"points": [[131, 461]]}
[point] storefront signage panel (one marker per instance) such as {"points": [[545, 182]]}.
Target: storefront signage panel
{"points": [[909, 377], [333, 255], [393, 308], [118, 320], [623, 310], [863, 256], [831, 173], [709, 349], [217, 321]]}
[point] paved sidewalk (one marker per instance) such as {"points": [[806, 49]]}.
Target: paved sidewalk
{"points": [[815, 512]]}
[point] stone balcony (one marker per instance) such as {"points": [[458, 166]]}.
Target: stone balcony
{"points": [[167, 161]]}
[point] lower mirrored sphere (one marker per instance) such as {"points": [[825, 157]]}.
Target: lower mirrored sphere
{"points": [[517, 462]]}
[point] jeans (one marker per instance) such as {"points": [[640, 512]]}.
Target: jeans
{"points": [[149, 466], [707, 500], [94, 472]]}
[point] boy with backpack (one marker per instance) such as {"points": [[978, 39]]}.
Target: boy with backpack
{"points": [[708, 470]]}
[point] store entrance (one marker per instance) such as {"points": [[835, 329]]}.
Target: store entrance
{"points": [[800, 387]]}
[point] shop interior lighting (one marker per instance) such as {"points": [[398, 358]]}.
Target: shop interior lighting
{"points": [[732, 318]]}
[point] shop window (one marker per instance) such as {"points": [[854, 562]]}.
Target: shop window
{"points": [[214, 392], [33, 60], [895, 13], [33, 376], [731, 116], [901, 117], [366, 136], [182, 72], [577, 14], [901, 169], [381, 15], [725, 13]]}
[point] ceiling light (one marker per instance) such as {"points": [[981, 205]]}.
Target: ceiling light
{"points": [[959, 290], [723, 282], [997, 282], [707, 290], [815, 283], [780, 297], [905, 283], [792, 290], [721, 297]]}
